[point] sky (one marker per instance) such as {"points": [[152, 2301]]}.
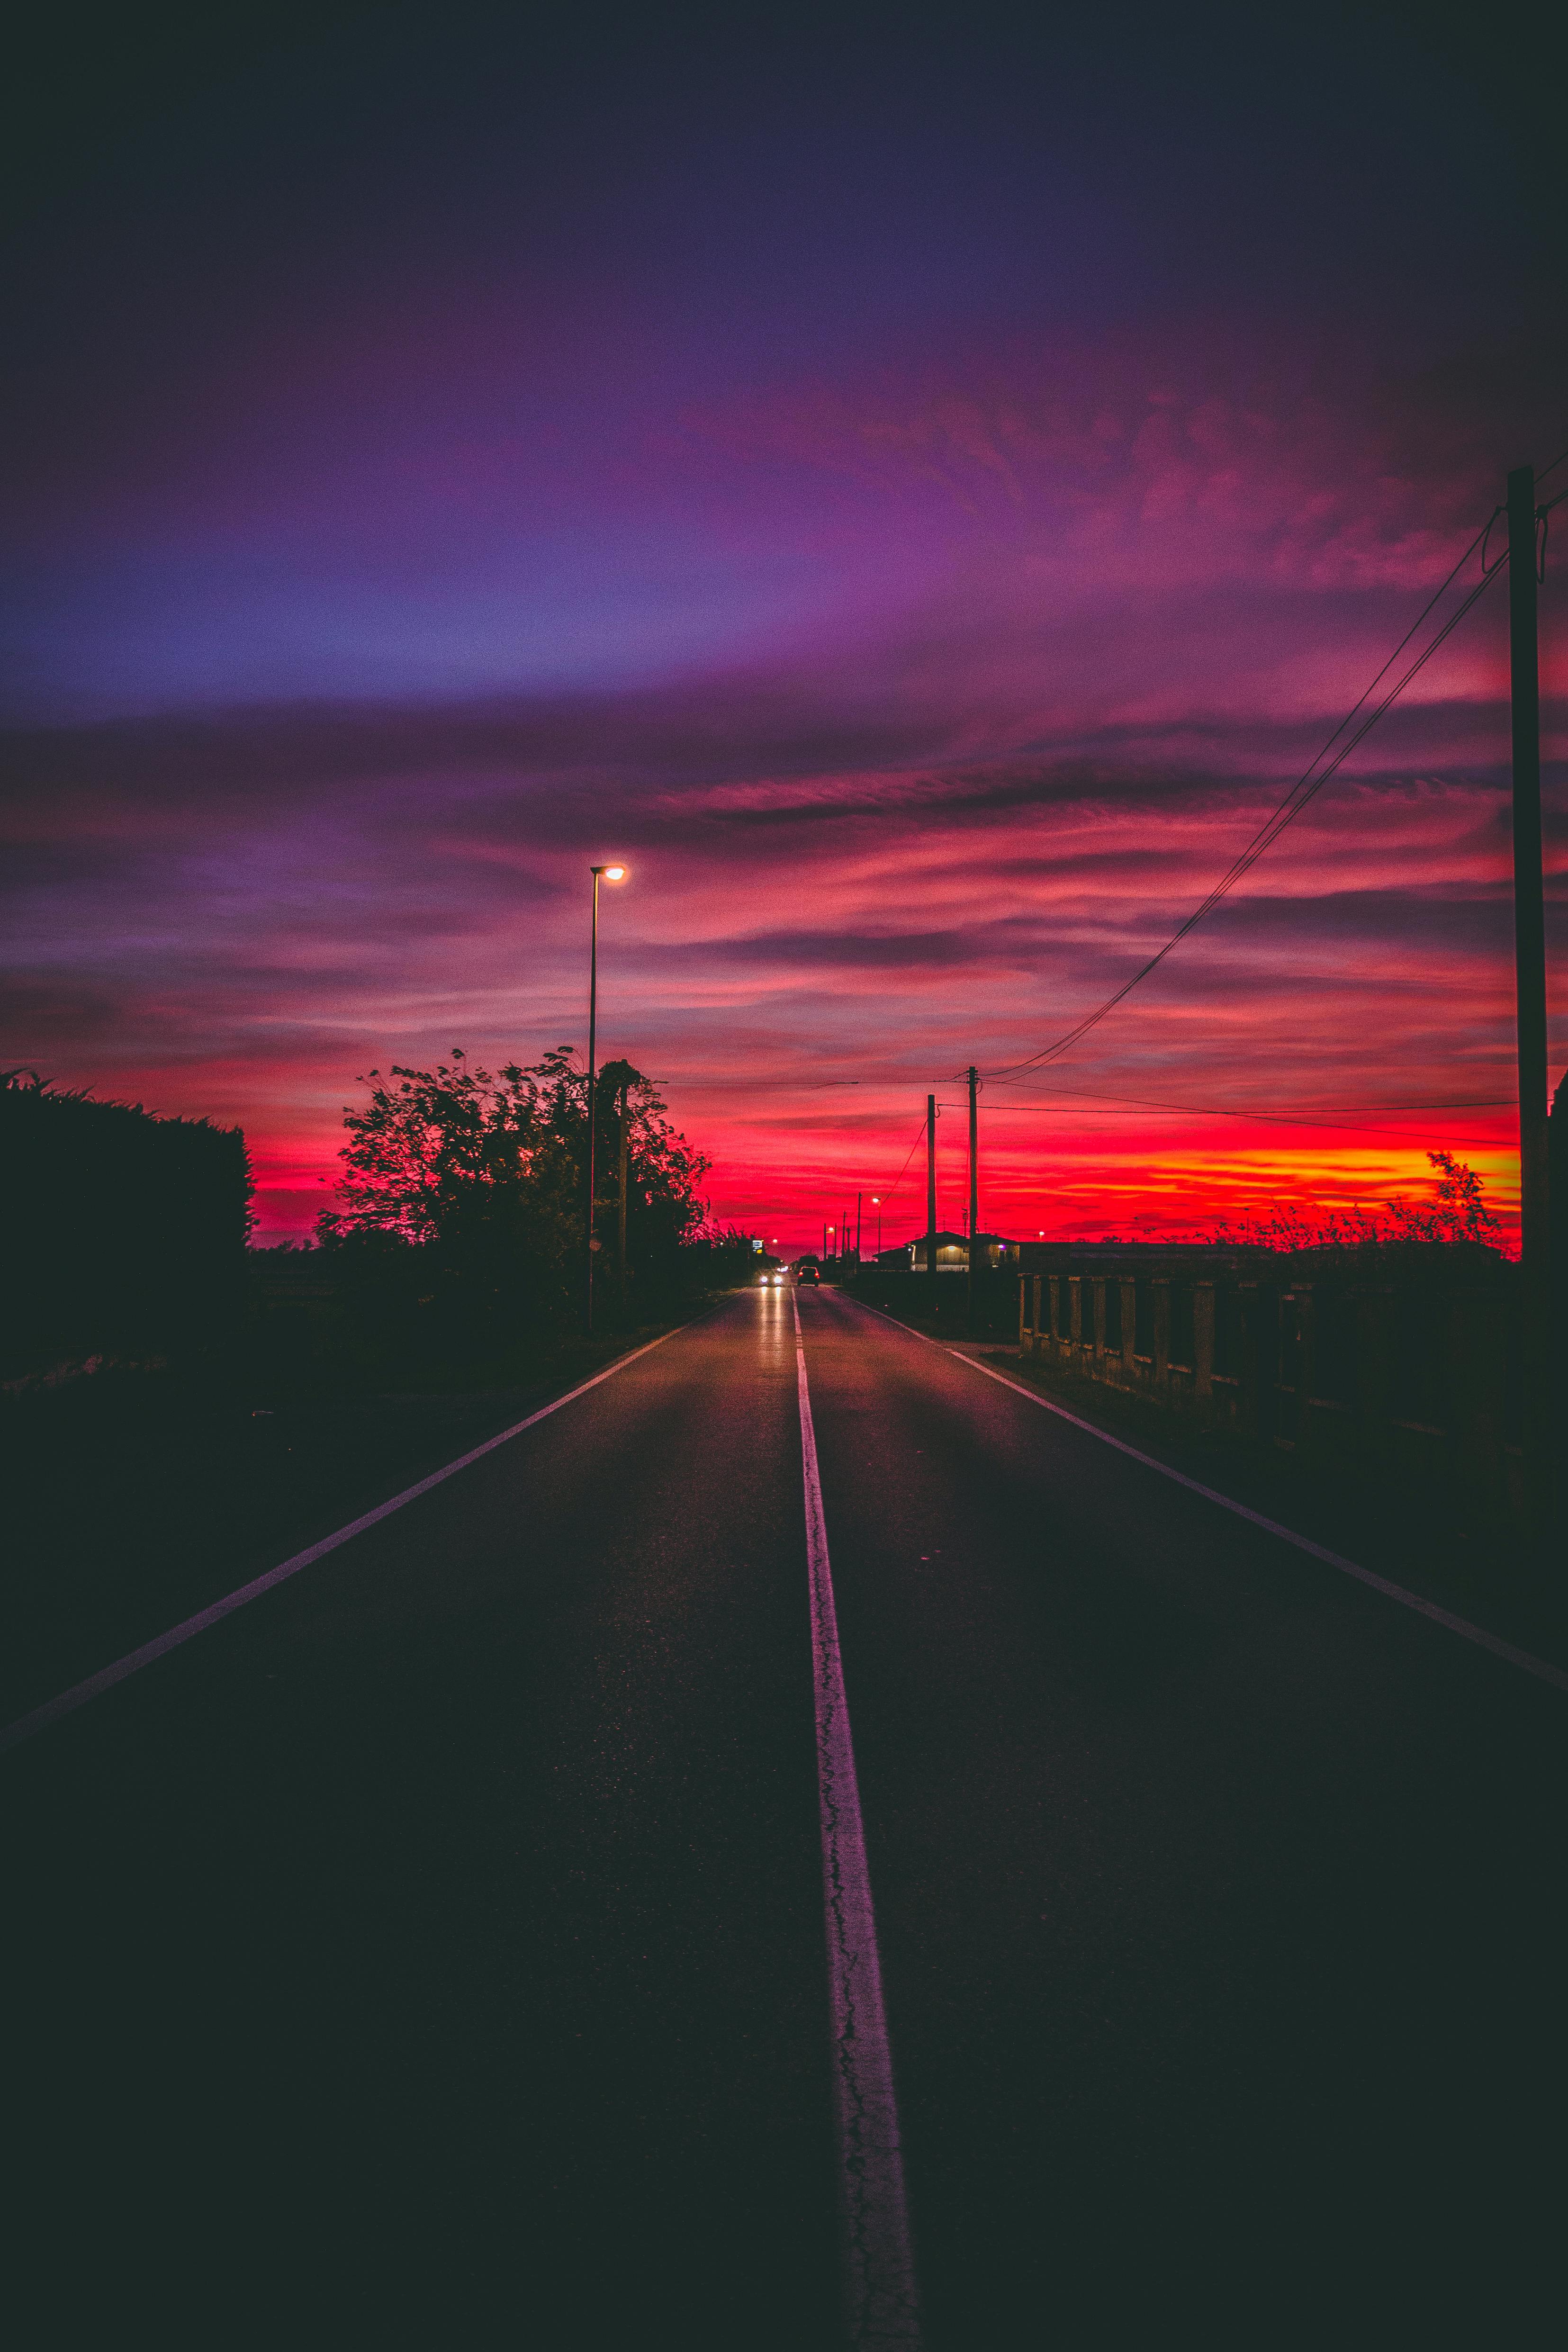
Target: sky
{"points": [[919, 494]]}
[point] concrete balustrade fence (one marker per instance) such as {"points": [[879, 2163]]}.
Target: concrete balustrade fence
{"points": [[1415, 1387]]}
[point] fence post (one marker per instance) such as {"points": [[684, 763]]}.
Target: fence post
{"points": [[1375, 1378], [1307, 1431], [1477, 1344], [1259, 1342], [1203, 1341]]}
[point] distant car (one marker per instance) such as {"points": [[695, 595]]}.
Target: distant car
{"points": [[771, 1274], [809, 1274]]}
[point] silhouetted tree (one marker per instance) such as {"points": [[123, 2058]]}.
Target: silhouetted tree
{"points": [[484, 1174]]}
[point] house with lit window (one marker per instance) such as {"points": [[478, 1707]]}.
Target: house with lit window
{"points": [[951, 1254]]}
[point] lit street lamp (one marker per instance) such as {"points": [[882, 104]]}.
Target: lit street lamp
{"points": [[611, 874]]}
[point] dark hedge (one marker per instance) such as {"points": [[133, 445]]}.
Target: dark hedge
{"points": [[124, 1233]]}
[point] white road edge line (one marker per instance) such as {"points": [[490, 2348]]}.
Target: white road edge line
{"points": [[26, 1727], [1522, 1659], [882, 2301]]}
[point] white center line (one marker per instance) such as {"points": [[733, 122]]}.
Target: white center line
{"points": [[883, 2303]]}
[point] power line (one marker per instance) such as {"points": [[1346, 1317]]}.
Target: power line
{"points": [[1220, 1111], [1301, 792], [1289, 809], [907, 1157], [1472, 1102]]}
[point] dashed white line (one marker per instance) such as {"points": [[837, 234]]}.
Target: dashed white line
{"points": [[883, 2302]]}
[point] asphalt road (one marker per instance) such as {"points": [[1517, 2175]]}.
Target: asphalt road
{"points": [[434, 1952]]}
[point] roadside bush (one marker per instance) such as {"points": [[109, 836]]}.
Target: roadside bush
{"points": [[1454, 1235]]}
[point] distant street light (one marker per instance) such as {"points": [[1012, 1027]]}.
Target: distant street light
{"points": [[876, 1204], [611, 874]]}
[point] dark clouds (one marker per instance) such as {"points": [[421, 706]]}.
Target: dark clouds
{"points": [[919, 497]]}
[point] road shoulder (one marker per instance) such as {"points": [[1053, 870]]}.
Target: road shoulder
{"points": [[151, 1507], [1484, 1581]]}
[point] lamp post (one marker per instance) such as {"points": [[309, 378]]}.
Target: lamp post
{"points": [[876, 1204], [611, 874], [930, 1186]]}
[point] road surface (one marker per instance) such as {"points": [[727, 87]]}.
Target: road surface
{"points": [[435, 1949]]}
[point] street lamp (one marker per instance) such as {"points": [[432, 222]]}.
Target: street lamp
{"points": [[876, 1204], [611, 874]]}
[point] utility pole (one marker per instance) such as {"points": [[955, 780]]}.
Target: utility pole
{"points": [[625, 1153], [593, 1088], [1529, 976], [859, 1205], [610, 874], [930, 1187], [973, 1183]]}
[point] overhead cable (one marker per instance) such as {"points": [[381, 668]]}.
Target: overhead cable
{"points": [[907, 1157], [1301, 792], [1220, 1111]]}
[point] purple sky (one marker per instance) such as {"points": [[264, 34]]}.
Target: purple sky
{"points": [[918, 498]]}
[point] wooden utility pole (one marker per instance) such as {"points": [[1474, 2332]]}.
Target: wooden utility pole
{"points": [[610, 874], [626, 1154], [590, 1237], [973, 1183], [931, 1184], [859, 1204], [1529, 977]]}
